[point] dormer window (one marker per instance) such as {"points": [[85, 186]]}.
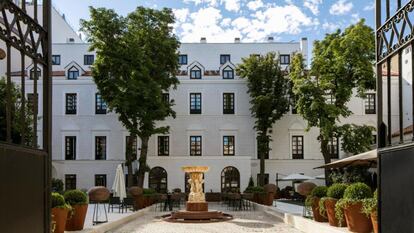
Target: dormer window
{"points": [[228, 73], [33, 74], [73, 73], [195, 73]]}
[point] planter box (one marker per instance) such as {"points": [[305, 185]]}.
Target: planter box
{"points": [[77, 220], [356, 220], [213, 197], [59, 217]]}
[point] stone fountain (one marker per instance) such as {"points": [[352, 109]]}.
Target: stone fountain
{"points": [[196, 206]]}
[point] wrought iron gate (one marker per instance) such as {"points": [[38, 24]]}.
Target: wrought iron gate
{"points": [[25, 115], [395, 76]]}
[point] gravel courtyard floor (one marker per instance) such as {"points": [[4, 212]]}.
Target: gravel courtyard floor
{"points": [[244, 221]]}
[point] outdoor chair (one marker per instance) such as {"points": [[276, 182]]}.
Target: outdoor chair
{"points": [[246, 201], [176, 200], [161, 202], [128, 202], [114, 202]]}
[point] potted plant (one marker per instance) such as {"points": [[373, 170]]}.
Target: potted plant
{"points": [[327, 204], [351, 203], [148, 196], [79, 202], [258, 193], [370, 207], [60, 210], [313, 201]]}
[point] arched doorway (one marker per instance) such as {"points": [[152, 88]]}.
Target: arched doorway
{"points": [[230, 180], [158, 179]]}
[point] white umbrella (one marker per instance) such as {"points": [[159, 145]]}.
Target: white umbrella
{"points": [[119, 183], [297, 177], [366, 158], [320, 177]]}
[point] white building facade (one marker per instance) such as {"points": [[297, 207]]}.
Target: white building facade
{"points": [[213, 126]]}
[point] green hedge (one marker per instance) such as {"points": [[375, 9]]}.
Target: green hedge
{"points": [[75, 197], [336, 191], [358, 191]]}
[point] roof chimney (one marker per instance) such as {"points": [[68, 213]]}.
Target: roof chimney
{"points": [[203, 40], [270, 39], [237, 40]]}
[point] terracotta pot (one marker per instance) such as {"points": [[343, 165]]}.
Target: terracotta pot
{"points": [[138, 202], [305, 188], [269, 199], [98, 194], [315, 209], [59, 216], [356, 220], [77, 220], [330, 212], [374, 220]]}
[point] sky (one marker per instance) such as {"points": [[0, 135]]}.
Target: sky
{"points": [[252, 21]]}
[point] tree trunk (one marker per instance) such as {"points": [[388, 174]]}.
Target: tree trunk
{"points": [[327, 159], [263, 148], [129, 159], [142, 161]]}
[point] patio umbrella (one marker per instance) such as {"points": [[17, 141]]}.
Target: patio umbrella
{"points": [[367, 158], [119, 183], [297, 177], [320, 177]]}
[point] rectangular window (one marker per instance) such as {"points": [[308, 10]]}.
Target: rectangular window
{"points": [[228, 145], [100, 147], [70, 148], [284, 59], [297, 147], [195, 103], [163, 145], [182, 59], [70, 182], [100, 105], [134, 146], [195, 145], [88, 59], [55, 59], [100, 180], [370, 106], [224, 58], [166, 98], [258, 154], [333, 148], [71, 103], [228, 103], [266, 178]]}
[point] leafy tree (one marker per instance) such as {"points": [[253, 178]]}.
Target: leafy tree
{"points": [[342, 62], [18, 125], [269, 99], [136, 61]]}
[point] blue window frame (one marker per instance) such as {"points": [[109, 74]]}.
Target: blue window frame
{"points": [[73, 73], [55, 59], [224, 58], [182, 59], [195, 73]]}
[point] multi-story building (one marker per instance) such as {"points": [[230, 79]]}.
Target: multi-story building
{"points": [[213, 127]]}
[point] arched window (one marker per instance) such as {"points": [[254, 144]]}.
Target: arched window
{"points": [[195, 73], [33, 74], [230, 180], [228, 73], [73, 73], [158, 179]]}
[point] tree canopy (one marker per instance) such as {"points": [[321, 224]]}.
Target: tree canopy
{"points": [[268, 88], [341, 67], [136, 62]]}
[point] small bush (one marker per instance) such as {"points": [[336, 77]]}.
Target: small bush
{"points": [[149, 192], [254, 189], [357, 191], [58, 201], [177, 190], [336, 191], [75, 197], [251, 182], [319, 191], [57, 185], [370, 205]]}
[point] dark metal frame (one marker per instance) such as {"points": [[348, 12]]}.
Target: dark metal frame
{"points": [[229, 174], [393, 35], [155, 176], [32, 39]]}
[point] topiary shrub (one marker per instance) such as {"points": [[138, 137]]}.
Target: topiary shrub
{"points": [[336, 191], [58, 201], [317, 192], [370, 205], [57, 185], [149, 192], [75, 197], [358, 192], [251, 182], [254, 189]]}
